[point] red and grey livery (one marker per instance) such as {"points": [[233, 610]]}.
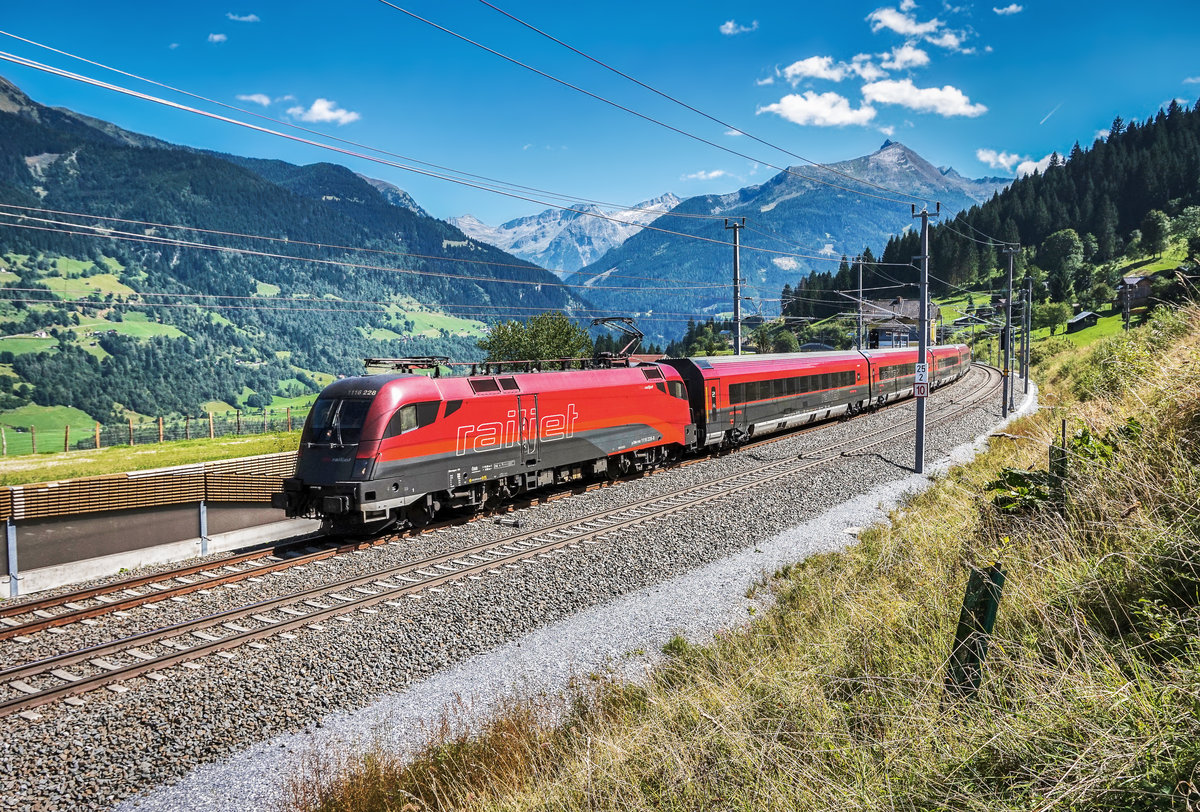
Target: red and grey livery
{"points": [[396, 449]]}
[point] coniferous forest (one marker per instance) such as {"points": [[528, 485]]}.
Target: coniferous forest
{"points": [[1119, 198]]}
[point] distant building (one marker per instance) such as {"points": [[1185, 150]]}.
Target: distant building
{"points": [[1082, 321], [894, 322], [1134, 288]]}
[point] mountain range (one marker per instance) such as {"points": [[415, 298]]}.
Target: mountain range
{"points": [[802, 219], [223, 277], [567, 239]]}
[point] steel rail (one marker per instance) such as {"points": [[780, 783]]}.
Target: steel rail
{"points": [[40, 607], [529, 544]]}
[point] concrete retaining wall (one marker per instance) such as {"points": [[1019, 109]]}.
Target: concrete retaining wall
{"points": [[45, 553]]}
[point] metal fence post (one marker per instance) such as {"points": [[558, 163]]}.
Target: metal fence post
{"points": [[14, 588], [203, 527], [975, 624]]}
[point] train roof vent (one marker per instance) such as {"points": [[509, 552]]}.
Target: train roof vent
{"points": [[652, 373], [479, 385], [508, 384]]}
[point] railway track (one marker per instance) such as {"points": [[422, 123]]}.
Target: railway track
{"points": [[19, 620], [149, 654]]}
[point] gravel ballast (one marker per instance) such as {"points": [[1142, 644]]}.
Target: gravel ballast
{"points": [[230, 731]]}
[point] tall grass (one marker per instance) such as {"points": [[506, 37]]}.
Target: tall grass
{"points": [[835, 697]]}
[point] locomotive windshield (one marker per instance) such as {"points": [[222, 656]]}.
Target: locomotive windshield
{"points": [[337, 421]]}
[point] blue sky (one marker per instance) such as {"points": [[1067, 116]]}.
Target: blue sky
{"points": [[983, 87]]}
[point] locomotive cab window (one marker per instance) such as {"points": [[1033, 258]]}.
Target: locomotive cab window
{"points": [[412, 416], [337, 421]]}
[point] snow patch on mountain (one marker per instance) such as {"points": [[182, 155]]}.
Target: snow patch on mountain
{"points": [[565, 240]]}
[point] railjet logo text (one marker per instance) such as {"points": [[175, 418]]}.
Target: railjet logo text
{"points": [[505, 434]]}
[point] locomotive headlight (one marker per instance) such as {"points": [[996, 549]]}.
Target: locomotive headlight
{"points": [[362, 469]]}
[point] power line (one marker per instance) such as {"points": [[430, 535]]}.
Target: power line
{"points": [[675, 319], [712, 118], [349, 142], [267, 300], [629, 110], [107, 233], [290, 241], [176, 105]]}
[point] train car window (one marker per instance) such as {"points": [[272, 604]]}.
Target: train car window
{"points": [[661, 387], [412, 416], [713, 396], [677, 389], [483, 385], [452, 406], [508, 384], [779, 387]]}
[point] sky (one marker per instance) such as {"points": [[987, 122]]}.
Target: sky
{"points": [[990, 89]]}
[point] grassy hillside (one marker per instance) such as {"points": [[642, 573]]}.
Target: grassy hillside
{"points": [[834, 699]]}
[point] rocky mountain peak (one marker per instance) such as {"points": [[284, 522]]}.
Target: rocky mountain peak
{"points": [[12, 100]]}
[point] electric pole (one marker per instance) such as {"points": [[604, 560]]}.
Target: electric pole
{"points": [[737, 282], [858, 335], [921, 383], [1006, 392], [1028, 330]]}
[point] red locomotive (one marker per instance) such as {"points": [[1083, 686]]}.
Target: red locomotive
{"points": [[396, 449]]}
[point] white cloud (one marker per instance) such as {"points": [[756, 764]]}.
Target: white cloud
{"points": [[324, 110], [734, 133], [1192, 80], [217, 37], [821, 110], [889, 130], [287, 98], [730, 28], [866, 70], [703, 175], [950, 40], [901, 23], [1102, 134], [1013, 9], [999, 160], [785, 263], [907, 5], [815, 67], [770, 80], [173, 45], [905, 56], [945, 101], [248, 18], [1027, 167], [256, 98]]}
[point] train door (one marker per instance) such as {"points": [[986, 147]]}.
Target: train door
{"points": [[718, 420], [527, 427]]}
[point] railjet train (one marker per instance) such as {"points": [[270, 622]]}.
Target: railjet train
{"points": [[395, 450]]}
